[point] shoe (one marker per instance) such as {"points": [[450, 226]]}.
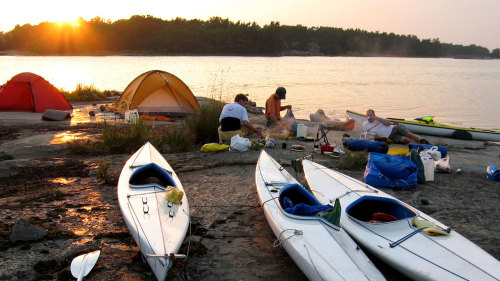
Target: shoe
{"points": [[424, 141]]}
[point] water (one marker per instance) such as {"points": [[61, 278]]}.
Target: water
{"points": [[456, 92]]}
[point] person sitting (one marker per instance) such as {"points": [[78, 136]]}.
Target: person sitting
{"points": [[232, 117], [383, 128], [273, 107]]}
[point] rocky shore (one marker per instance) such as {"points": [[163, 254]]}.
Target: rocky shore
{"points": [[54, 207]]}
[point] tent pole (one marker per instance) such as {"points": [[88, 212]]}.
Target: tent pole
{"points": [[32, 98]]}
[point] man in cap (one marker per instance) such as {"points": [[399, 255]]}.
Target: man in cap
{"points": [[273, 107]]}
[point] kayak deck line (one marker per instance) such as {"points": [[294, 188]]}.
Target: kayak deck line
{"points": [[370, 188], [296, 232]]}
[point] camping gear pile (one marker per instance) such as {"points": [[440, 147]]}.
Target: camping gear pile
{"points": [[416, 165], [399, 167]]}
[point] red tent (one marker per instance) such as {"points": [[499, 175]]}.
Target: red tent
{"points": [[30, 92]]}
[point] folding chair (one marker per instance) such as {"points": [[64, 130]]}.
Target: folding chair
{"points": [[323, 130]]}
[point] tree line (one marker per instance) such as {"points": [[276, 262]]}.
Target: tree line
{"points": [[217, 36]]}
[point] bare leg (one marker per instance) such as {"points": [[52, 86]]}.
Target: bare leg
{"points": [[413, 137], [405, 140]]}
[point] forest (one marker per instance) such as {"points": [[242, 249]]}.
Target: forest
{"points": [[148, 35]]}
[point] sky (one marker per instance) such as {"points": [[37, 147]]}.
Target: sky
{"points": [[463, 22]]}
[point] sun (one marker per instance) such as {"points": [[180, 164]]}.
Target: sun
{"points": [[72, 23]]}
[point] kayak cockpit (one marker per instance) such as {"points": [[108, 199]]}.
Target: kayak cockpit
{"points": [[374, 209], [299, 203], [151, 175]]}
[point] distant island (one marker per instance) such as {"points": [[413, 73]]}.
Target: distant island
{"points": [[148, 35]]}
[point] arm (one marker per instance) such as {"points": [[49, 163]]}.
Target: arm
{"points": [[382, 120], [252, 128], [286, 107]]}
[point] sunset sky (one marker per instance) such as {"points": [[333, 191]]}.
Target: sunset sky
{"points": [[462, 22]]}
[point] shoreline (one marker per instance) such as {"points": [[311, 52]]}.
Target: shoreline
{"points": [[230, 237], [292, 53]]}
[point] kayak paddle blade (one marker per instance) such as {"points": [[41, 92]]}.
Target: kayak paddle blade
{"points": [[83, 264]]}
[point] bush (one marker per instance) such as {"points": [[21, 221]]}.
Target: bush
{"points": [[104, 174], [354, 160], [127, 138], [174, 139], [84, 93], [204, 124]]}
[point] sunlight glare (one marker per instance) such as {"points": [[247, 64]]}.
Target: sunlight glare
{"points": [[72, 23], [67, 76]]}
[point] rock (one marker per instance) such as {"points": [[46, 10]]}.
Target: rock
{"points": [[24, 231], [254, 110], [166, 148], [5, 156]]}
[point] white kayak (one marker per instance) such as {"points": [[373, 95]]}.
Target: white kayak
{"points": [[157, 225], [385, 227], [321, 249], [436, 129]]}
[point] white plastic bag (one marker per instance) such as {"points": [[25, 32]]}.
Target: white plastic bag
{"points": [[270, 143], [240, 144], [429, 167], [443, 165], [432, 152]]}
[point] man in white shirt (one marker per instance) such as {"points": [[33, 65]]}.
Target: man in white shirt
{"points": [[384, 128], [232, 117]]}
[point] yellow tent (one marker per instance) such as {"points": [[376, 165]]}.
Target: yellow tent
{"points": [[158, 92]]}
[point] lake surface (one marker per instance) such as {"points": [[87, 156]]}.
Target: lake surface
{"points": [[456, 92]]}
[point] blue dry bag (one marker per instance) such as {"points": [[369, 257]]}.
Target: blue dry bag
{"points": [[493, 173], [367, 145], [385, 170]]}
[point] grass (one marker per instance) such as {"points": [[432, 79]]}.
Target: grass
{"points": [[86, 93], [104, 174], [127, 138], [354, 160], [204, 124]]}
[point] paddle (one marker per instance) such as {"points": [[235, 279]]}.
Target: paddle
{"points": [[83, 264]]}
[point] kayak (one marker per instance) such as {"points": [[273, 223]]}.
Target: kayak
{"points": [[158, 225], [320, 248], [405, 238], [436, 129]]}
